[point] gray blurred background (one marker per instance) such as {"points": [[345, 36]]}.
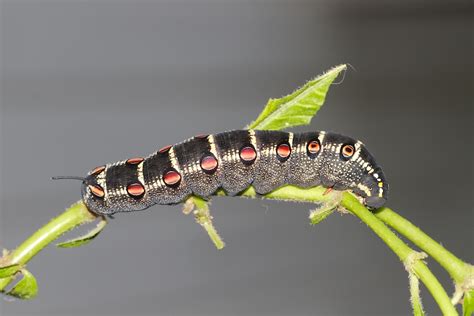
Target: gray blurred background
{"points": [[89, 82]]}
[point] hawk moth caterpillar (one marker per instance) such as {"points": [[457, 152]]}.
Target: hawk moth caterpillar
{"points": [[233, 161]]}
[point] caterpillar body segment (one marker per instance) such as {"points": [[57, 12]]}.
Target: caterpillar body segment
{"points": [[233, 161]]}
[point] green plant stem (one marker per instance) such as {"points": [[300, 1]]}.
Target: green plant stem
{"points": [[292, 193], [393, 242], [401, 250], [204, 218], [457, 269], [415, 295], [76, 215], [436, 289]]}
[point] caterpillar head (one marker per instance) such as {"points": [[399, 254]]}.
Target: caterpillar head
{"points": [[348, 165], [93, 191]]}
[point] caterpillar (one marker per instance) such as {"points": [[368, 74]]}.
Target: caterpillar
{"points": [[233, 161]]}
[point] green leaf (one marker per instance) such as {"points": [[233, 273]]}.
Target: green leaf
{"points": [[299, 107], [468, 303], [85, 239], [320, 214], [9, 270], [26, 288], [325, 208]]}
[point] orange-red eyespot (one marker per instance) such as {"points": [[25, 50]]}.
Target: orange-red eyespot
{"points": [[164, 149], [171, 178], [283, 152], [97, 170], [136, 189], [209, 163], [248, 154], [135, 160], [96, 190], [347, 151], [313, 147]]}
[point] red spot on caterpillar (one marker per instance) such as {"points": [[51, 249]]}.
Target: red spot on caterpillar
{"points": [[164, 149], [171, 178], [248, 154], [283, 150], [348, 151], [97, 170], [314, 147], [201, 136], [209, 163], [136, 189], [135, 160], [96, 190]]}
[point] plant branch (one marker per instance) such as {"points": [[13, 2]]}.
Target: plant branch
{"points": [[200, 208], [415, 295], [405, 253], [402, 251], [74, 216], [457, 269]]}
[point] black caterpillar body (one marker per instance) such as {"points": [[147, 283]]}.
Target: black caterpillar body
{"points": [[233, 161]]}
